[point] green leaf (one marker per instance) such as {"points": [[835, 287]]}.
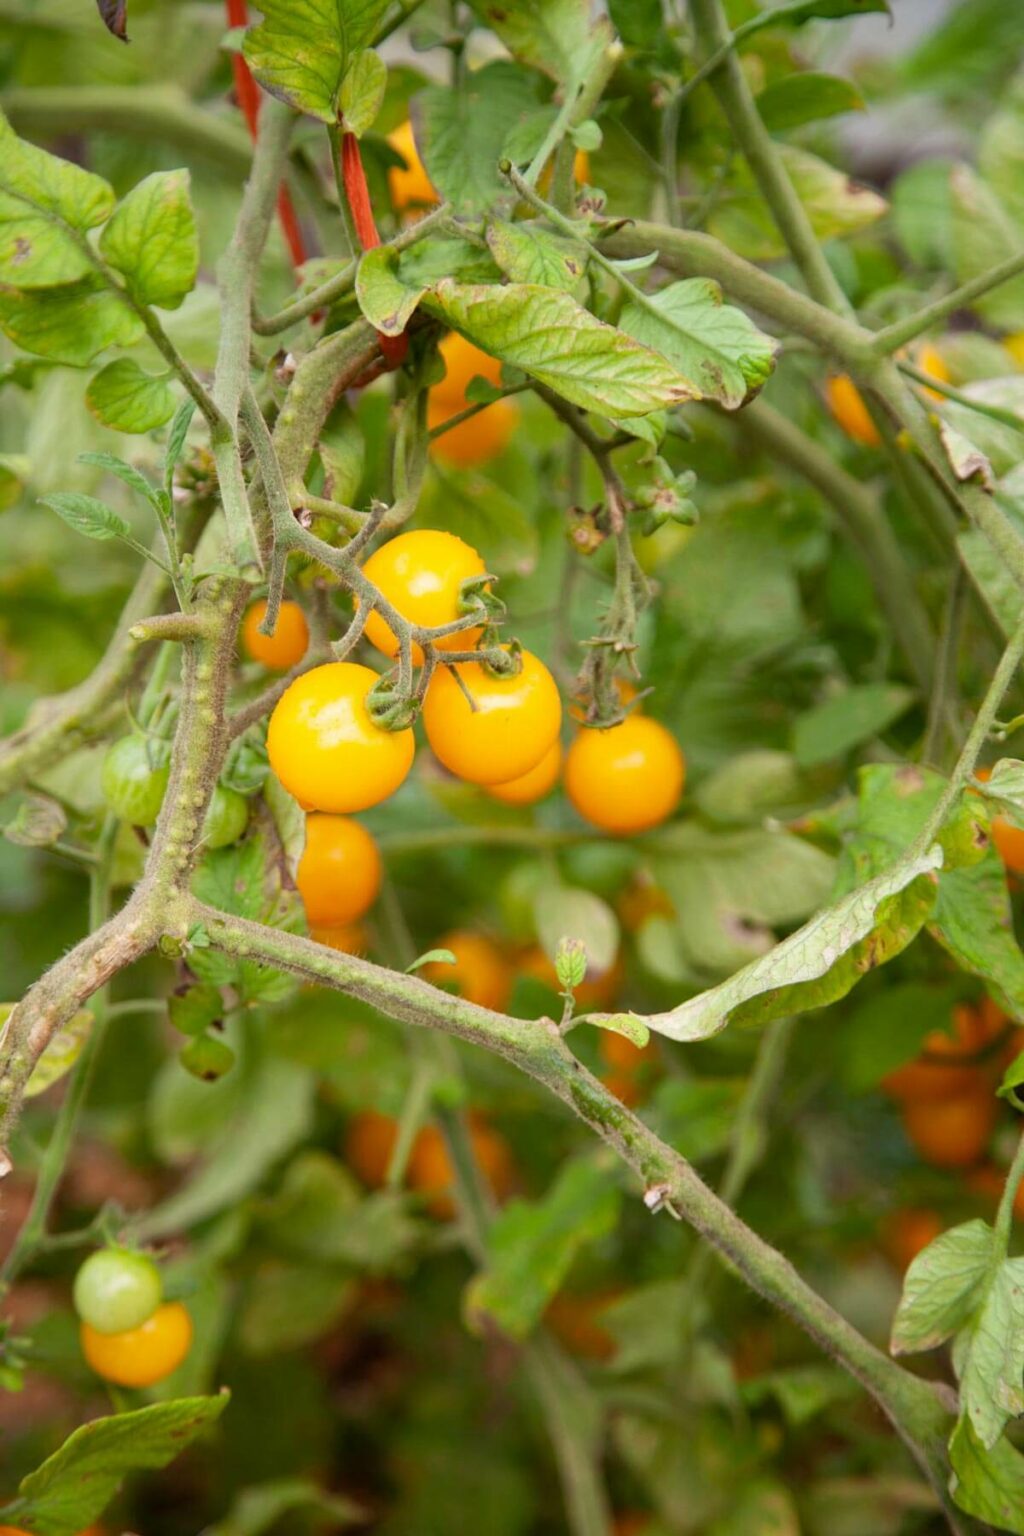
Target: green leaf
{"points": [[553, 35], [750, 786], [941, 1288], [973, 920], [568, 912], [61, 1053], [533, 1243], [552, 338], [73, 1487], [122, 396], [261, 1506], [984, 233], [362, 91], [431, 957], [806, 97], [176, 439], [192, 1010], [1013, 1078], [87, 515], [640, 23], [70, 324], [528, 254], [821, 961], [721, 354], [835, 206], [289, 1305], [629, 1025], [386, 301], [151, 240], [465, 131], [989, 1355], [729, 889], [987, 1484], [847, 720], [125, 473], [796, 12], [274, 1111], [320, 1214], [46, 207], [801, 1391], [301, 49]]}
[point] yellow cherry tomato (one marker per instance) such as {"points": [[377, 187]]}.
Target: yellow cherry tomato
{"points": [[431, 1172], [339, 873], [1015, 347], [846, 403], [141, 1356], [481, 974], [626, 779], [411, 187], [369, 1142], [421, 574], [533, 786], [931, 361], [475, 440], [951, 1133], [325, 748], [506, 730], [286, 646]]}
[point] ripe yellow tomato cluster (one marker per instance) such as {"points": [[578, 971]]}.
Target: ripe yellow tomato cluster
{"points": [[286, 646]]}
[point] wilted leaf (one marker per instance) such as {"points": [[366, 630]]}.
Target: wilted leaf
{"points": [[37, 823], [61, 1053], [114, 15], [721, 353], [767, 987], [552, 338], [528, 254], [73, 1486]]}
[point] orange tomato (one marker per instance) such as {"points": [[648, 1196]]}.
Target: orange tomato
{"points": [[905, 1233], [628, 778], [846, 403], [325, 748], [410, 187], [597, 991], [619, 1052], [339, 872], [534, 785], [141, 1356], [286, 646], [576, 1323], [510, 725], [352, 939], [431, 1173], [475, 440], [463, 362], [480, 974], [369, 1142], [946, 1067], [951, 1133], [421, 574], [1009, 840]]}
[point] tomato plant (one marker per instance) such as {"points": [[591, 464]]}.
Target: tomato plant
{"points": [[511, 876]]}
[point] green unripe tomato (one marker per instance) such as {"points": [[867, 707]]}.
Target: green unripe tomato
{"points": [[117, 1289], [227, 817], [132, 787]]}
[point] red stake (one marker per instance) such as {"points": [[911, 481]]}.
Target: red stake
{"points": [[248, 93], [393, 348]]}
